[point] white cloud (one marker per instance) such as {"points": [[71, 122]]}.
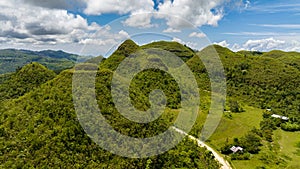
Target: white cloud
{"points": [[267, 44], [247, 4], [178, 13], [30, 26], [177, 40], [171, 30], [48, 24], [192, 45], [140, 19], [197, 34], [222, 43], [264, 44], [196, 12], [99, 7], [48, 3]]}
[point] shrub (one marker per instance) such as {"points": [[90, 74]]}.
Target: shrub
{"points": [[290, 126]]}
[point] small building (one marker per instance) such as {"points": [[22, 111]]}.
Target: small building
{"points": [[269, 110], [235, 149], [276, 116], [279, 117]]}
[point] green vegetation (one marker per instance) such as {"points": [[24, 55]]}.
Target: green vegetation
{"points": [[12, 59], [184, 52], [24, 80], [39, 127]]}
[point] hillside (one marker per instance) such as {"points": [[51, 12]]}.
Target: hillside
{"points": [[41, 128], [12, 59], [26, 79]]}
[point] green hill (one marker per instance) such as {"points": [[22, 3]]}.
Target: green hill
{"points": [[41, 128], [289, 58], [12, 59], [26, 79], [184, 52]]}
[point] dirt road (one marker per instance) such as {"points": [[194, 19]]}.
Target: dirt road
{"points": [[222, 161]]}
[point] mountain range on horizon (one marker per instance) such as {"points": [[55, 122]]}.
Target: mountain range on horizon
{"points": [[12, 59]]}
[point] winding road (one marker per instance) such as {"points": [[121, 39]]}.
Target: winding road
{"points": [[222, 161]]}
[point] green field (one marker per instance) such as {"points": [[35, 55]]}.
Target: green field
{"points": [[237, 126], [281, 153], [287, 142]]}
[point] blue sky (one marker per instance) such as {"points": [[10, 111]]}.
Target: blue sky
{"points": [[94, 27]]}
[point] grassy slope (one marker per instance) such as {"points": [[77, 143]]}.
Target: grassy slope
{"points": [[285, 146], [287, 142], [239, 125]]}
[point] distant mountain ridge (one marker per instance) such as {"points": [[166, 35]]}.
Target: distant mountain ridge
{"points": [[12, 59]]}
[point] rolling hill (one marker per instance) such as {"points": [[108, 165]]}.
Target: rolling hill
{"points": [[40, 128]]}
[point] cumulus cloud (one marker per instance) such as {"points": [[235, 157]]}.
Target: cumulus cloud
{"points": [[30, 26], [264, 44], [178, 13], [58, 4], [196, 12], [192, 45], [55, 4], [222, 43], [116, 6], [36, 21], [197, 34], [267, 44], [140, 19], [32, 23]]}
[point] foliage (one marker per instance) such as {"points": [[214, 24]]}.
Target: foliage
{"points": [[265, 80], [178, 49], [24, 80], [41, 129], [290, 126], [12, 59], [235, 106]]}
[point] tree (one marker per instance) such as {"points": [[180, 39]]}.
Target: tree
{"points": [[235, 107]]}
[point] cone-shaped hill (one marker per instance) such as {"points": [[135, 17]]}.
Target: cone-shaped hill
{"points": [[124, 50], [182, 51], [129, 47], [26, 79], [41, 129]]}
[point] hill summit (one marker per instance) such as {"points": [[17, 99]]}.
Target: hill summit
{"points": [[24, 80]]}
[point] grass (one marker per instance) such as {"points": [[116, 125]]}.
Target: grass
{"points": [[287, 142], [284, 146], [237, 126]]}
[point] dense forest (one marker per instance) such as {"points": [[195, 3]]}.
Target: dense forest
{"points": [[39, 126]]}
